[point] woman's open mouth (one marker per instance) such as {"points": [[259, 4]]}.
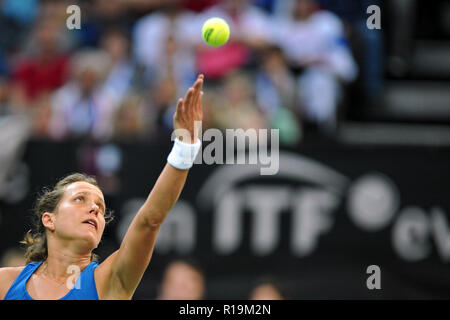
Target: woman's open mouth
{"points": [[91, 222]]}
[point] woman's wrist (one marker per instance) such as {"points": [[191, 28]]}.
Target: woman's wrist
{"points": [[183, 154]]}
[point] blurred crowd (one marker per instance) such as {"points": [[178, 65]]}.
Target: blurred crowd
{"points": [[287, 65]]}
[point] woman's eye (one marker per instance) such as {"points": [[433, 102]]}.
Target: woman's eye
{"points": [[78, 199]]}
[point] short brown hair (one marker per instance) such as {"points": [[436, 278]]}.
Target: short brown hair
{"points": [[48, 201]]}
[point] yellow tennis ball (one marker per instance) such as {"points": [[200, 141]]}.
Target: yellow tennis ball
{"points": [[216, 32]]}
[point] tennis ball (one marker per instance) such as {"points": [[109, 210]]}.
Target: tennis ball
{"points": [[216, 32]]}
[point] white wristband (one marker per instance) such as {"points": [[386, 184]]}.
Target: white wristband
{"points": [[183, 154]]}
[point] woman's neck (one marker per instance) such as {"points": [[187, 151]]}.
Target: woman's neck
{"points": [[61, 265]]}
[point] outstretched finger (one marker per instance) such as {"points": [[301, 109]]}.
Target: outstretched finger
{"points": [[199, 104], [179, 108], [188, 99], [198, 91], [199, 83]]}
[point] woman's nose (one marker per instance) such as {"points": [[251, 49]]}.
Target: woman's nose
{"points": [[94, 208]]}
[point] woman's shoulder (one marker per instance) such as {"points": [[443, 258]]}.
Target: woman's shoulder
{"points": [[7, 277], [9, 272]]}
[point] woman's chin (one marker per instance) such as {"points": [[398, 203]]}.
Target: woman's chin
{"points": [[89, 239]]}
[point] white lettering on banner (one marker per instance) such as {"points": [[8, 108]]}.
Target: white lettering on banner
{"points": [[372, 202], [374, 281], [312, 216], [266, 205], [313, 210], [227, 224], [410, 237], [178, 231], [441, 232]]}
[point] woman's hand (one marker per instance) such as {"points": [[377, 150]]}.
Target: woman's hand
{"points": [[189, 111]]}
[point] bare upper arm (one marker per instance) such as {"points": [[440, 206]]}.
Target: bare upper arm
{"points": [[118, 276], [7, 277], [108, 286], [124, 269]]}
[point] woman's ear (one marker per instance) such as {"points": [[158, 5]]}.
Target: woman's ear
{"points": [[48, 221]]}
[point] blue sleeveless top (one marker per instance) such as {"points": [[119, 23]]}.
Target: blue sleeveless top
{"points": [[84, 288]]}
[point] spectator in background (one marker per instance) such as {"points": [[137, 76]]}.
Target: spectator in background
{"points": [[267, 5], [266, 290], [41, 115], [46, 68], [132, 121], [11, 31], [209, 107], [23, 11], [115, 43], [110, 13], [275, 80], [143, 7], [199, 5], [249, 26], [99, 16], [5, 103], [85, 107], [314, 43], [3, 65], [182, 280], [16, 18], [235, 107], [13, 257], [367, 43], [163, 95], [56, 10], [276, 94], [162, 42]]}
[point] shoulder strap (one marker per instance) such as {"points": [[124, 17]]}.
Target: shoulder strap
{"points": [[17, 291]]}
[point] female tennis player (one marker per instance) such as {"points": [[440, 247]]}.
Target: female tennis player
{"points": [[72, 218]]}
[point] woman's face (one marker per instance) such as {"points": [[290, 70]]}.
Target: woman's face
{"points": [[182, 282], [305, 8], [80, 214]]}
